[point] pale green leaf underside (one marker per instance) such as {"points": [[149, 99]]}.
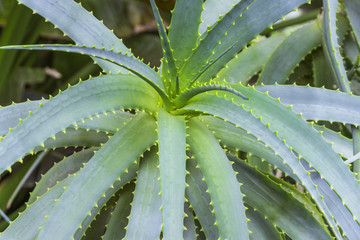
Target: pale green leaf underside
{"points": [[97, 95], [172, 153], [85, 191], [79, 25]]}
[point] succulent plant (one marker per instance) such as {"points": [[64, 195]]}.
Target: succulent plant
{"points": [[190, 150]]}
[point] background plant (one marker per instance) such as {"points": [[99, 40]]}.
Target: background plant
{"points": [[186, 151]]}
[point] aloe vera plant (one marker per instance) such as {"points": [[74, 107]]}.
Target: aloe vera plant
{"points": [[190, 150]]}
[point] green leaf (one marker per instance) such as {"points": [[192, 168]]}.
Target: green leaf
{"points": [[239, 115], [331, 45], [237, 138], [145, 210], [217, 171], [60, 171], [279, 206], [169, 69], [97, 95], [260, 227], [172, 153], [85, 191], [119, 218], [27, 224], [132, 64], [244, 31], [306, 141], [199, 198], [299, 43], [250, 61], [189, 223], [10, 115], [318, 103], [343, 217], [79, 25], [184, 29], [322, 74], [340, 144], [352, 8], [200, 55]]}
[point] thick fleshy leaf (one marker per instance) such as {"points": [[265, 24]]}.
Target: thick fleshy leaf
{"points": [[27, 224], [291, 215], [250, 61], [108, 164], [331, 45], [115, 229], [240, 34], [342, 215], [10, 115], [314, 103], [217, 171], [184, 29], [60, 171], [172, 153], [79, 25], [238, 115], [169, 70], [97, 95], [132, 64], [237, 138], [299, 43], [145, 210], [199, 198], [352, 8], [260, 227], [201, 54]]}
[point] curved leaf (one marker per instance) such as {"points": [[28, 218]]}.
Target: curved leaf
{"points": [[238, 115], [250, 24], [299, 43], [132, 64], [331, 45], [97, 95], [318, 103], [60, 171], [108, 164], [10, 115], [79, 25], [250, 61], [115, 229], [352, 8], [216, 169], [279, 206], [199, 198]]}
